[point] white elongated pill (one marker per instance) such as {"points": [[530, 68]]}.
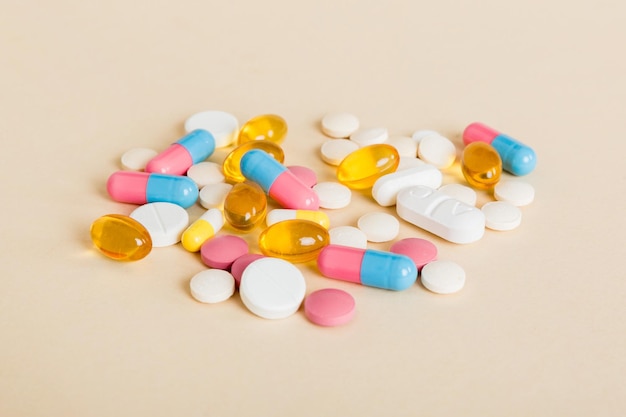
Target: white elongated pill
{"points": [[272, 288], [348, 236], [136, 159], [164, 221], [223, 126], [443, 277], [500, 215], [334, 150], [213, 195], [371, 136], [339, 125], [437, 150], [387, 187], [204, 173], [440, 214], [333, 195], [516, 192], [212, 286], [460, 192], [379, 226], [405, 145]]}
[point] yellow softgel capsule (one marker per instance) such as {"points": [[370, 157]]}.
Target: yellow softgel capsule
{"points": [[360, 169], [231, 165], [279, 215], [245, 206], [294, 240], [264, 127], [121, 238], [481, 165], [202, 230]]}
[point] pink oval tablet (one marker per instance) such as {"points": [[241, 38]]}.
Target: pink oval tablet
{"points": [[221, 251], [241, 263], [421, 251], [304, 174], [329, 307]]}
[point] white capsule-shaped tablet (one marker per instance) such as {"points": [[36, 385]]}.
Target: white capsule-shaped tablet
{"points": [[440, 214], [136, 159], [334, 150], [516, 192], [348, 236], [436, 150], [500, 215], [460, 192], [164, 221], [333, 195], [371, 136], [443, 277], [212, 286], [379, 226], [223, 126], [213, 195], [387, 187], [339, 125], [204, 173], [405, 145]]}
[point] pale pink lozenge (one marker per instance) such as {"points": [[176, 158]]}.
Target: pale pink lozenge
{"points": [[421, 251], [221, 251], [329, 307]]}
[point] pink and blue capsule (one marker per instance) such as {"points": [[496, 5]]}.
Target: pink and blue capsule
{"points": [[143, 187], [193, 148]]}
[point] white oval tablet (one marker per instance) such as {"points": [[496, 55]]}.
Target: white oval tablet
{"points": [[334, 150], [443, 277], [437, 150], [407, 162], [164, 221], [223, 126], [213, 195], [339, 125], [379, 227], [333, 195], [405, 145], [348, 236], [518, 193], [418, 135], [371, 136], [212, 286], [136, 159], [387, 187], [500, 215], [272, 288], [460, 192], [204, 173]]}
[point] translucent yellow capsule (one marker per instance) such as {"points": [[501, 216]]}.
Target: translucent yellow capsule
{"points": [[121, 238], [202, 230], [481, 165], [245, 206], [265, 127], [294, 240], [361, 168], [279, 215], [231, 168]]}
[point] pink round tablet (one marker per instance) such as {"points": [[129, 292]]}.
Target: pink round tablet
{"points": [[221, 251], [329, 307], [306, 175], [421, 251], [241, 263]]}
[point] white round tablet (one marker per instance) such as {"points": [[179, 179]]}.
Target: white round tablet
{"points": [[500, 215], [418, 135], [443, 277], [348, 236], [379, 226], [334, 150], [272, 288], [408, 162], [460, 192], [223, 126], [206, 172], [165, 222], [371, 136], [405, 145], [437, 150], [516, 192], [339, 125], [213, 195], [333, 195], [212, 286], [136, 159]]}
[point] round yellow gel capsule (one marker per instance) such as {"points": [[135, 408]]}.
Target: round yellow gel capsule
{"points": [[481, 165], [245, 206], [264, 127], [231, 166], [294, 240], [121, 237], [361, 168]]}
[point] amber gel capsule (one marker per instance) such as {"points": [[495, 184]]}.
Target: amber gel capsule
{"points": [[265, 127], [294, 240], [121, 237], [361, 168], [481, 165], [245, 206]]}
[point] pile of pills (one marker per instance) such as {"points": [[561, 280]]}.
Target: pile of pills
{"points": [[242, 191]]}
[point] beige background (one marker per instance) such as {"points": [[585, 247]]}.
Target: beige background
{"points": [[539, 329]]}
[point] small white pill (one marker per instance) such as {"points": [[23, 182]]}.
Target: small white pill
{"points": [[204, 173], [437, 150], [379, 226], [334, 150], [460, 192], [223, 126], [272, 288], [371, 136], [443, 277], [212, 286], [405, 145], [407, 162], [136, 159], [516, 192], [333, 195], [164, 221], [418, 135], [387, 187], [348, 236], [339, 125], [500, 215], [213, 195]]}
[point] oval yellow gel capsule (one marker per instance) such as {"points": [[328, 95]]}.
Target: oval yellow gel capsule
{"points": [[245, 206], [121, 237], [361, 168], [231, 164], [481, 165], [264, 127], [294, 240]]}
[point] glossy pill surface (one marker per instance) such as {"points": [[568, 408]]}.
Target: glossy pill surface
{"points": [[144, 187], [195, 147], [481, 165], [361, 168], [245, 206], [294, 240], [278, 215], [264, 127], [232, 163], [121, 237], [201, 230]]}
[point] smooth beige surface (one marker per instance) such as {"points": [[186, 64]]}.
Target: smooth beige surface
{"points": [[539, 329]]}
